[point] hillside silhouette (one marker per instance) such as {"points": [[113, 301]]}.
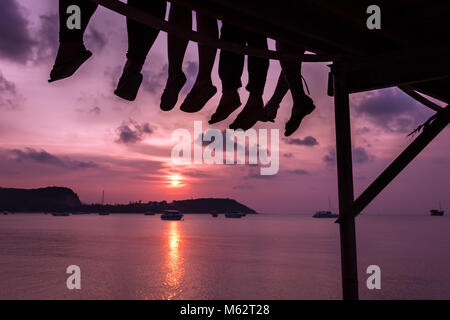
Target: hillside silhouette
{"points": [[60, 199]]}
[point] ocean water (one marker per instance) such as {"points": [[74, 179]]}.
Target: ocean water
{"points": [[268, 256]]}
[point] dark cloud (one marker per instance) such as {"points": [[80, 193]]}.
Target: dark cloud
{"points": [[391, 110], [155, 81], [330, 158], [299, 172], [197, 174], [243, 187], [6, 86], [308, 141], [191, 70], [359, 156], [37, 156], [16, 43], [254, 172], [43, 157], [95, 110], [9, 98], [362, 131], [48, 41], [95, 39], [131, 132]]}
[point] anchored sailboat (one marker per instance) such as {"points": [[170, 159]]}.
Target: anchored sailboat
{"points": [[438, 213]]}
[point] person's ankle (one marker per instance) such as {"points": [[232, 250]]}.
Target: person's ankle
{"points": [[71, 45], [230, 92], [255, 96], [203, 82], [175, 75], [134, 65]]}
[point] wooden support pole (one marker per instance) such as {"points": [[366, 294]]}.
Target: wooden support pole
{"points": [[345, 186], [429, 133]]}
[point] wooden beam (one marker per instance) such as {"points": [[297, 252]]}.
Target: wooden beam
{"points": [[160, 24], [401, 68], [417, 96], [441, 120], [437, 89], [345, 188]]}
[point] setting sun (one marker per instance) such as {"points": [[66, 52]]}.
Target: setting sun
{"points": [[175, 180]]}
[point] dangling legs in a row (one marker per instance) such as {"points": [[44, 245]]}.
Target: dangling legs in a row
{"points": [[203, 89], [72, 54], [231, 66]]}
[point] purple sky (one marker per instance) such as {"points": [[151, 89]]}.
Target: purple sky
{"points": [[76, 133]]}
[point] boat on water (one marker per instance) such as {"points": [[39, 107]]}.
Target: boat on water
{"points": [[214, 215], [103, 214], [149, 213], [325, 214], [437, 213], [5, 212], [234, 215], [60, 214], [171, 215]]}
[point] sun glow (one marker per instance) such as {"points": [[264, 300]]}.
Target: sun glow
{"points": [[175, 180]]}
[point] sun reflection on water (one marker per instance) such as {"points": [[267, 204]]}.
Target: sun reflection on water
{"points": [[174, 262]]}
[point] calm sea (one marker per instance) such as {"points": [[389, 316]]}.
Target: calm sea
{"points": [[267, 256]]}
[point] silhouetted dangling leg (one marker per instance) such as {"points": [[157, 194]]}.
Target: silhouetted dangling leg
{"points": [[203, 89], [272, 106], [176, 49], [257, 75], [303, 105], [71, 52], [140, 41], [231, 66]]}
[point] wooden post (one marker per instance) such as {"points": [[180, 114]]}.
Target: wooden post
{"points": [[345, 186]]}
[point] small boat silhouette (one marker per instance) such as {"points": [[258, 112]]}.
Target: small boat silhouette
{"points": [[60, 214], [437, 213], [171, 215], [234, 215]]}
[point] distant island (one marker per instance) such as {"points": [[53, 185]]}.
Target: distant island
{"points": [[60, 199]]}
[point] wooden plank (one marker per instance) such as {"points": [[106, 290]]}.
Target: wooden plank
{"points": [[413, 94]]}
